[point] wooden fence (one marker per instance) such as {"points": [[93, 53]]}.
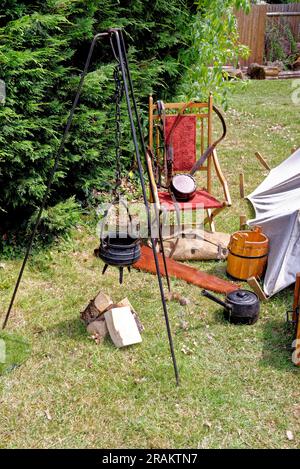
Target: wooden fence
{"points": [[252, 27]]}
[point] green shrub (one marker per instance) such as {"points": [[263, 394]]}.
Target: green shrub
{"points": [[57, 220]]}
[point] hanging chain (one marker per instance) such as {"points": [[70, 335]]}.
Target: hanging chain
{"points": [[118, 133]]}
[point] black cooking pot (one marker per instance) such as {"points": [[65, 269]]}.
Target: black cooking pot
{"points": [[241, 306], [183, 186], [120, 249]]}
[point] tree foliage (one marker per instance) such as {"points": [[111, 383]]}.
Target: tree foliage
{"points": [[215, 43]]}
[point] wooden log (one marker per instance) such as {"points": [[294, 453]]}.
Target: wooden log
{"points": [[262, 161], [256, 72], [271, 71], [102, 302], [242, 185], [253, 283]]}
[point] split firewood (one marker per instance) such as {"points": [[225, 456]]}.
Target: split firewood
{"points": [[95, 308], [126, 302], [102, 302], [98, 329], [122, 327], [296, 64]]}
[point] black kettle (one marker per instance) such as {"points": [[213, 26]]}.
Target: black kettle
{"points": [[241, 306]]}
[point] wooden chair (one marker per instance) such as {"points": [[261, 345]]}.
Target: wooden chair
{"points": [[192, 136]]}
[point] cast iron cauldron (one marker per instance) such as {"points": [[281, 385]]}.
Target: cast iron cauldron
{"points": [[241, 306], [120, 249]]}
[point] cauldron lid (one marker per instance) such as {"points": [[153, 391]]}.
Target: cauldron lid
{"points": [[242, 297]]}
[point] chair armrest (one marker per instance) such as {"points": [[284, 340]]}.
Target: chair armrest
{"points": [[222, 179]]}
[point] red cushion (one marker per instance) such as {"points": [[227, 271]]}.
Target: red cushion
{"points": [[201, 197], [183, 141]]}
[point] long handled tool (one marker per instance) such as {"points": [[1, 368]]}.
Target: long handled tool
{"points": [[121, 57]]}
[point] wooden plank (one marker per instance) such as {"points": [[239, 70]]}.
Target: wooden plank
{"points": [[198, 116], [283, 13], [253, 283], [184, 272], [180, 105]]}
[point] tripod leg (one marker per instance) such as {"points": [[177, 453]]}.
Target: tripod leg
{"points": [[104, 269], [123, 60], [121, 272], [51, 176]]}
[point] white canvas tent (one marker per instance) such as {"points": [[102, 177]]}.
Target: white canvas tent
{"points": [[277, 209]]}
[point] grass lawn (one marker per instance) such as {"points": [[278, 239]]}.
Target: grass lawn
{"points": [[239, 388]]}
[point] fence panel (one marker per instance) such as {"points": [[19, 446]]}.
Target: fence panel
{"points": [[252, 28], [293, 21]]}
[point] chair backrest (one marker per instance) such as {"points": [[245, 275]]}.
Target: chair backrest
{"points": [[191, 136]]}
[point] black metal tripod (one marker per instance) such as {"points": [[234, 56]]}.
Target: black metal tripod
{"points": [[119, 51]]}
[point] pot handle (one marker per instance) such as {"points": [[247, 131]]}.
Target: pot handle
{"points": [[216, 300]]}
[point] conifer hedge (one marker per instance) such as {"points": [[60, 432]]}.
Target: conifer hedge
{"points": [[43, 46]]}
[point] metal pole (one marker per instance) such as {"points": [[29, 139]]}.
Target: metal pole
{"points": [[144, 150], [140, 168], [51, 176]]}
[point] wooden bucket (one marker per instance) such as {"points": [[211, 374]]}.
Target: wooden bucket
{"points": [[248, 254]]}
